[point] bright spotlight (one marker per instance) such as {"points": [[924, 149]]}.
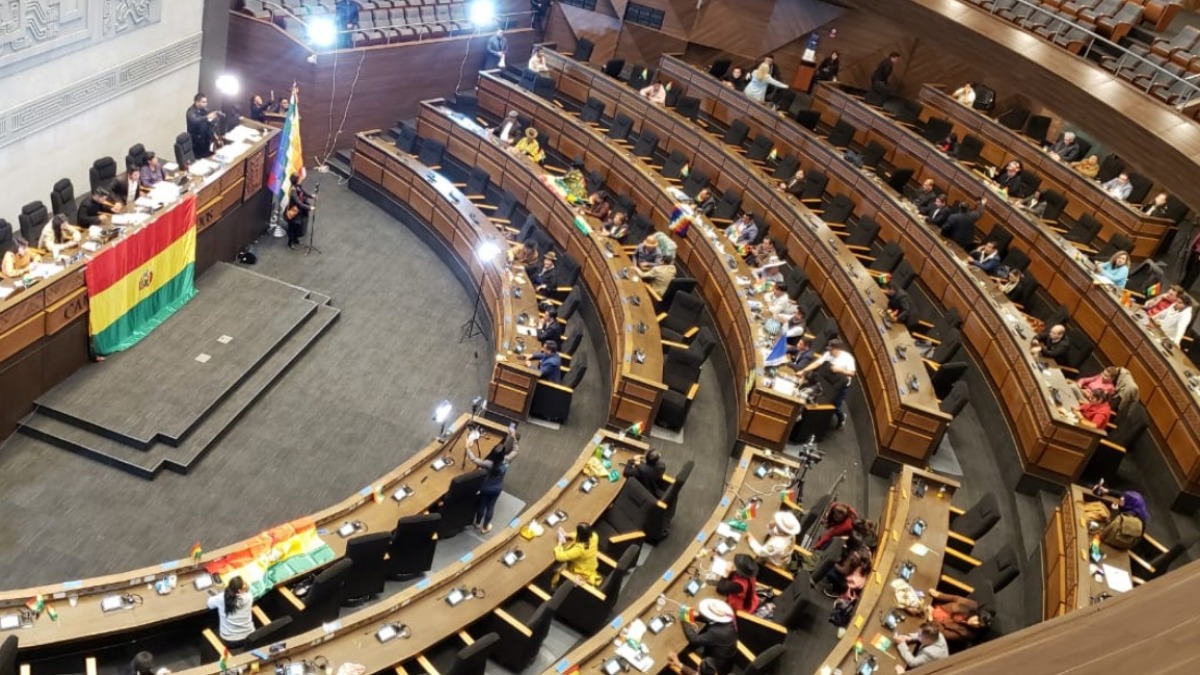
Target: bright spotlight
{"points": [[442, 412], [228, 85], [487, 251], [483, 12], [322, 33]]}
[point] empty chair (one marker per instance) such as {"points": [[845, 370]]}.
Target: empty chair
{"points": [[969, 148], [520, 641], [1015, 259], [767, 660], [1036, 128], [1118, 242], [760, 148], [184, 153], [431, 153], [478, 182], [457, 506], [945, 376], [583, 50], [136, 156], [623, 525], [62, 199], [673, 167], [977, 521], [681, 368], [959, 397], [621, 127], [324, 598], [32, 219], [814, 186], [727, 207], [682, 320], [471, 659], [413, 544], [784, 99], [903, 277], [674, 407], [1013, 118], [264, 635], [676, 286], [889, 257], [367, 552], [786, 167], [719, 68], [936, 129], [736, 133], [873, 155], [945, 350], [688, 106], [640, 77], [102, 172], [838, 210], [842, 134], [1055, 203], [613, 67], [646, 145], [406, 140], [1146, 569], [8, 656], [809, 119], [592, 111], [1000, 570], [695, 182], [1084, 230], [898, 179]]}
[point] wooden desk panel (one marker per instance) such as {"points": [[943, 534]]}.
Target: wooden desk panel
{"points": [[894, 406], [85, 621], [1070, 582]]}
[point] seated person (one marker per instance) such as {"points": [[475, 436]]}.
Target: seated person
{"points": [[739, 588], [717, 638], [899, 304], [616, 227], [537, 62], [801, 354], [1115, 270], [549, 328], [1119, 187], [965, 95], [1034, 204], [1155, 306], [580, 555], [575, 184], [770, 270], [735, 78], [598, 205], [58, 235], [1157, 208], [1105, 380], [839, 522], [1096, 409], [781, 539], [778, 304], [152, 172], [655, 92], [1066, 149], [529, 146], [925, 195], [658, 277], [1052, 344], [961, 620], [705, 202], [647, 255], [924, 646], [17, 261], [125, 188], [794, 326], [1010, 178], [794, 185], [549, 362], [648, 470], [744, 230], [1009, 283], [509, 130], [95, 207], [1088, 166], [986, 257], [938, 210], [757, 254], [547, 277], [1175, 320], [524, 255]]}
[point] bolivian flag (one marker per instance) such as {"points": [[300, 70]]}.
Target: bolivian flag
{"points": [[137, 283]]}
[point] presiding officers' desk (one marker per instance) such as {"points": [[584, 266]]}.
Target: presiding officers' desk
{"points": [[702, 562], [78, 603], [43, 328], [915, 495], [423, 607], [907, 421], [1074, 577], [463, 227], [1085, 196], [768, 412], [631, 330], [1168, 382]]}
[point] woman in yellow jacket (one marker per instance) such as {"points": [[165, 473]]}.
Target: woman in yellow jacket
{"points": [[580, 554], [530, 147]]}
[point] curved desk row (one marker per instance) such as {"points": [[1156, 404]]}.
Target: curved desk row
{"points": [[663, 601], [462, 226], [766, 415], [629, 325], [1051, 443], [43, 332], [907, 421], [423, 607], [1168, 382], [84, 619], [1071, 581], [1002, 144]]}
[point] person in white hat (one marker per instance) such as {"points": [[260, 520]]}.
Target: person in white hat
{"points": [[781, 539], [717, 639]]}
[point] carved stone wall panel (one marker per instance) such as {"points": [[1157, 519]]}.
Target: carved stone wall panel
{"points": [[48, 110], [50, 28]]}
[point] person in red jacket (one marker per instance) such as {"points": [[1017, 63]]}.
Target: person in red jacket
{"points": [[739, 587], [838, 523]]}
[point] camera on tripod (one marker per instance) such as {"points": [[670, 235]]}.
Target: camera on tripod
{"points": [[808, 454]]}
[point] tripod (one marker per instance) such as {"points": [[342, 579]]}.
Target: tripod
{"points": [[474, 327], [312, 223]]}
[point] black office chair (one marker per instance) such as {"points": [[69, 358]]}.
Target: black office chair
{"points": [[621, 127], [472, 659], [32, 219], [898, 180], [478, 182], [842, 134], [1146, 569], [766, 661], [102, 172], [457, 506], [957, 400], [659, 526], [552, 401], [184, 153], [815, 183], [504, 211], [1118, 242], [969, 528], [838, 210], [1055, 204], [681, 322], [809, 119], [945, 351], [936, 129], [1110, 167], [431, 153], [1000, 570], [1036, 128], [623, 525], [264, 635], [736, 133], [786, 167], [719, 68], [760, 148], [672, 168], [413, 544], [62, 199], [676, 285], [521, 640], [674, 407], [583, 50], [367, 552], [640, 77], [8, 656], [544, 87], [727, 207], [695, 182], [136, 156], [784, 99], [588, 609], [1014, 118], [592, 111], [613, 67], [969, 149], [323, 601], [688, 106], [7, 241], [646, 144], [888, 258], [1015, 259], [945, 376], [406, 140]]}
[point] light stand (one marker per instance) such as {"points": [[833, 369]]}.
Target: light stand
{"points": [[474, 327], [312, 222]]}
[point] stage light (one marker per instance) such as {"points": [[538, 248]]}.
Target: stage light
{"points": [[322, 33], [483, 13], [487, 251], [228, 85], [440, 415]]}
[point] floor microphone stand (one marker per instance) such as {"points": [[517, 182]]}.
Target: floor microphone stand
{"points": [[312, 223]]}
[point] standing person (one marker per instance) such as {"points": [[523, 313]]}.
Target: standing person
{"points": [[648, 470], [839, 522], [509, 130], [497, 49], [200, 126], [1191, 262], [539, 8], [827, 70], [258, 109], [841, 362], [346, 12], [760, 79], [299, 205], [883, 73], [234, 611], [496, 464]]}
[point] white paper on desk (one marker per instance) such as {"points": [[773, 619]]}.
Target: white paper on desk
{"points": [[636, 630], [678, 195], [783, 385], [726, 532], [242, 134], [1101, 281], [641, 661], [1118, 579], [130, 218], [720, 567], [149, 202], [6, 291], [164, 191], [918, 549], [231, 151], [41, 270], [202, 167], [526, 330]]}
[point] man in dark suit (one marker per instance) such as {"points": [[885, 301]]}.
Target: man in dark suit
{"points": [[346, 12], [550, 328], [200, 126], [125, 188], [794, 185], [705, 202], [648, 471], [938, 212], [497, 49], [883, 73], [925, 196], [960, 227]]}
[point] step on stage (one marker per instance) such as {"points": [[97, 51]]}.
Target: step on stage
{"points": [[166, 402]]}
